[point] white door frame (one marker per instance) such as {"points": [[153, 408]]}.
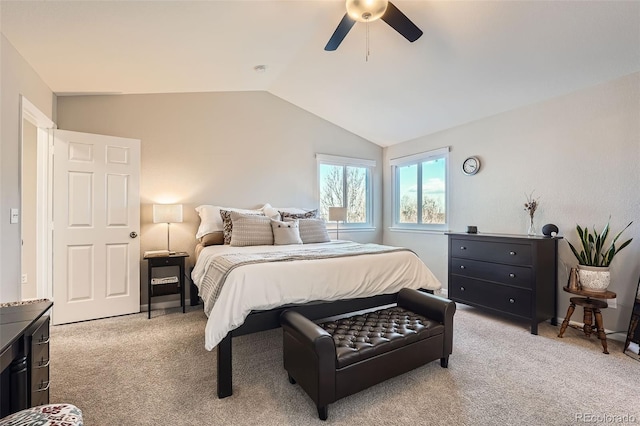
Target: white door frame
{"points": [[29, 112]]}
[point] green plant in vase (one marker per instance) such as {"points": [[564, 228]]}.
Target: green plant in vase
{"points": [[595, 256]]}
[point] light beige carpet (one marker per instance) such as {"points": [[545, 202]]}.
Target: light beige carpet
{"points": [[133, 371]]}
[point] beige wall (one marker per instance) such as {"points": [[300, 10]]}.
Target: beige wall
{"points": [[16, 78], [239, 149], [581, 155]]}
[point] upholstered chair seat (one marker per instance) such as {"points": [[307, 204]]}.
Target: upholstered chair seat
{"points": [[45, 415]]}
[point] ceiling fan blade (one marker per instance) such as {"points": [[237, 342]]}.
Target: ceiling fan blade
{"points": [[340, 33], [399, 22]]}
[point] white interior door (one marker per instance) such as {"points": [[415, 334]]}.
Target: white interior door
{"points": [[96, 220]]}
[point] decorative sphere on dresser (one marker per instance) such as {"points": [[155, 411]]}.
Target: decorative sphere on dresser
{"points": [[549, 230]]}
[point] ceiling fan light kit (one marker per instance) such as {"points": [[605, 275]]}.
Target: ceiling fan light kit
{"points": [[366, 10], [371, 10]]}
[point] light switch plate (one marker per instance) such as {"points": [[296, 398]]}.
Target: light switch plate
{"points": [[14, 215]]}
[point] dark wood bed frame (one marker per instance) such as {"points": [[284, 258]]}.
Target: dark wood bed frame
{"points": [[267, 320]]}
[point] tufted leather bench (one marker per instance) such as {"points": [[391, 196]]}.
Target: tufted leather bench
{"points": [[334, 359]]}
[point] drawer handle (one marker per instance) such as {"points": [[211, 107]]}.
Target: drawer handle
{"points": [[43, 364], [42, 341], [512, 300], [46, 388], [512, 253], [461, 266], [463, 248], [512, 275], [461, 288]]}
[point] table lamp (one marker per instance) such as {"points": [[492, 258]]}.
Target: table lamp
{"points": [[337, 214], [167, 213]]}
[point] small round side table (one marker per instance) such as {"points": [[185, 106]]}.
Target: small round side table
{"points": [[591, 305]]}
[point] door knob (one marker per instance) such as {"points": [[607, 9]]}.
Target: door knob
{"points": [[133, 234]]}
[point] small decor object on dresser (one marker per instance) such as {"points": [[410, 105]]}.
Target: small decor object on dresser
{"points": [[531, 206], [595, 256], [550, 230]]}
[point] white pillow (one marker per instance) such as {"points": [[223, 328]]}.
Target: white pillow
{"points": [[210, 220], [285, 232], [274, 212]]}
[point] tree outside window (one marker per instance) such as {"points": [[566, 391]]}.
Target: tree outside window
{"points": [[343, 185], [421, 190]]}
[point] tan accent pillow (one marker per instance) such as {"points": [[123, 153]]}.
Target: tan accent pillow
{"points": [[313, 231], [227, 224], [250, 230], [213, 239]]}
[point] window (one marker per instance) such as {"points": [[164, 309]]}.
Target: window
{"points": [[346, 182], [420, 190]]}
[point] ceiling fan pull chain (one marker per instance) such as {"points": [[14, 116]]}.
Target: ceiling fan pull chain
{"points": [[366, 59]]}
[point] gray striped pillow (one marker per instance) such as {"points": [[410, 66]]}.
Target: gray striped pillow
{"points": [[250, 230], [313, 231]]}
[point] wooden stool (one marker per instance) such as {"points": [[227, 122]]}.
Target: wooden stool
{"points": [[591, 308]]}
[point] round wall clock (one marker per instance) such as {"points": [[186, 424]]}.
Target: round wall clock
{"points": [[471, 166]]}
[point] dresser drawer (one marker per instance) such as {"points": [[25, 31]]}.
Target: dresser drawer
{"points": [[41, 333], [40, 397], [40, 356], [512, 300], [498, 252], [520, 276], [39, 380]]}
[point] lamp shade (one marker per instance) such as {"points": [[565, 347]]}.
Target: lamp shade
{"points": [[167, 213], [337, 214]]}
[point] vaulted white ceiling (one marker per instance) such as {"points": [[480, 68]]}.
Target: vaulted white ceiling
{"points": [[475, 59]]}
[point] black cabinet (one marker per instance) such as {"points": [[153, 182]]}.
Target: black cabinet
{"points": [[512, 275], [24, 355], [161, 261]]}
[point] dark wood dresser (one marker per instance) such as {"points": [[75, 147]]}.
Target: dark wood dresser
{"points": [[24, 356], [511, 275]]}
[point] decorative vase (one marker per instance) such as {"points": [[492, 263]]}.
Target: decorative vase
{"points": [[594, 278], [574, 280], [532, 227]]}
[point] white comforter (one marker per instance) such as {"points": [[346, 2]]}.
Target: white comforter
{"points": [[265, 286]]}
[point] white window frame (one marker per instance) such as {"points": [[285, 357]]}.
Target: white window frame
{"points": [[417, 159], [335, 160]]}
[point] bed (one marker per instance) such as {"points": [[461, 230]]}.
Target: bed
{"points": [[245, 287]]}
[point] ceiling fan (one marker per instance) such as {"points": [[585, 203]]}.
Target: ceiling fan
{"points": [[371, 10]]}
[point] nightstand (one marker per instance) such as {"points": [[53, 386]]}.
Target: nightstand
{"points": [[157, 261]]}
